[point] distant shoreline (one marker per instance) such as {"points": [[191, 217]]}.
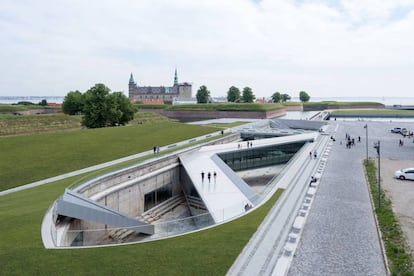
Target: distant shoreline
{"points": [[387, 101]]}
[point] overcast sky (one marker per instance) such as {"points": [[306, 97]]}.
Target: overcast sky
{"points": [[326, 48]]}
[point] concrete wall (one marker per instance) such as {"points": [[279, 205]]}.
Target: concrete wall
{"points": [[130, 200], [191, 115], [98, 185], [294, 108]]}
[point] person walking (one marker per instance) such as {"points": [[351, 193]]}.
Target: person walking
{"points": [[202, 177], [209, 177], [215, 176]]}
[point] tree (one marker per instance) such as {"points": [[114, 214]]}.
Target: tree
{"points": [[121, 111], [248, 96], [103, 109], [285, 97], [303, 96], [233, 95], [203, 95], [276, 97], [73, 103], [43, 102]]}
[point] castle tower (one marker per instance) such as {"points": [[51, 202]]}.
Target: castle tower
{"points": [[132, 87], [175, 78], [131, 79]]}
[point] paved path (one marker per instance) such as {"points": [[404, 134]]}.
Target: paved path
{"points": [[261, 254], [340, 236]]}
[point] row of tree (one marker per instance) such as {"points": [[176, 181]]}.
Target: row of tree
{"points": [[278, 97], [100, 107], [246, 96], [233, 95]]}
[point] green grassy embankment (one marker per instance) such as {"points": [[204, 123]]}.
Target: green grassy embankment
{"points": [[246, 107], [398, 252], [29, 158], [342, 104], [10, 108], [379, 112], [29, 124]]}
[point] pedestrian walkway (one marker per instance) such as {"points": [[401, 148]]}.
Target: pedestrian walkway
{"points": [[340, 236], [261, 254]]}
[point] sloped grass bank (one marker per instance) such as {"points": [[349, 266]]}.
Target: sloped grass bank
{"points": [[30, 158], [228, 107], [30, 124], [398, 253], [209, 252], [373, 112]]}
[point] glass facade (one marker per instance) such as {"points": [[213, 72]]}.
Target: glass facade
{"points": [[260, 157]]}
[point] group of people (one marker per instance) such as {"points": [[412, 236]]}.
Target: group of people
{"points": [[315, 155], [156, 149], [249, 144], [208, 176], [349, 142]]}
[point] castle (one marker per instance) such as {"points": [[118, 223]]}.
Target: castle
{"points": [[159, 93]]}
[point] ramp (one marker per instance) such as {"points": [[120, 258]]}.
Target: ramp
{"points": [[74, 205]]}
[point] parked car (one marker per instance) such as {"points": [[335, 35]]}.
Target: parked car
{"points": [[403, 131], [403, 174]]}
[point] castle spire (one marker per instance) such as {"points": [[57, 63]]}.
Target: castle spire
{"points": [[175, 77], [131, 79]]}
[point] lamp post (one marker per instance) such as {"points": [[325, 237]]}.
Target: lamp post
{"points": [[377, 147], [366, 141]]}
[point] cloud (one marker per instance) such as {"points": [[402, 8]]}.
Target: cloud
{"points": [[342, 48]]}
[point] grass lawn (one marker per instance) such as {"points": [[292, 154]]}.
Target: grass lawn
{"points": [[29, 124], [28, 158], [373, 112], [335, 103], [209, 252], [21, 107], [245, 107]]}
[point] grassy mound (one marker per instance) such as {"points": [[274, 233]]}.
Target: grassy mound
{"points": [[7, 108], [246, 107], [357, 112], [335, 103], [28, 158], [29, 124]]}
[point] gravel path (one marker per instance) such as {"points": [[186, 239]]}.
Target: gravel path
{"points": [[340, 236]]}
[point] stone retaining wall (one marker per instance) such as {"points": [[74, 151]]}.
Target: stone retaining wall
{"points": [[194, 115], [294, 108]]}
